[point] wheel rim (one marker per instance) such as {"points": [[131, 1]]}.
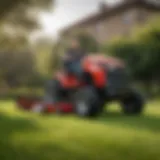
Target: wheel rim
{"points": [[37, 108], [82, 108]]}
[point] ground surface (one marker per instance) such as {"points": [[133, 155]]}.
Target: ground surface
{"points": [[112, 136]]}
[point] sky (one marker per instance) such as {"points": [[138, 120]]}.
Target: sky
{"points": [[67, 12]]}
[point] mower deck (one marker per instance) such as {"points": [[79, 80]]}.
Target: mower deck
{"points": [[36, 104]]}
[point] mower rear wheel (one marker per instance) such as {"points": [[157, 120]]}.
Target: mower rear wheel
{"points": [[87, 102], [133, 104]]}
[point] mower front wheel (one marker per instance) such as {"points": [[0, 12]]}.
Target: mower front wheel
{"points": [[37, 108], [87, 102]]}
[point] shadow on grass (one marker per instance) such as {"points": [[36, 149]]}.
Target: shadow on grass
{"points": [[139, 122], [11, 125], [9, 149], [16, 122], [8, 127], [54, 150]]}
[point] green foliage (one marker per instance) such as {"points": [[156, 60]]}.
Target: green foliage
{"points": [[88, 42], [129, 52], [17, 63], [55, 61], [22, 14], [141, 53], [26, 136], [13, 43], [16, 67], [43, 50]]}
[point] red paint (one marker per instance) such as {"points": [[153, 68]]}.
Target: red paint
{"points": [[27, 104], [65, 107]]}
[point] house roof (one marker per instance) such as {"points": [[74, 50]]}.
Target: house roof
{"points": [[112, 11]]}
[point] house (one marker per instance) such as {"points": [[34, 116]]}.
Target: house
{"points": [[118, 20]]}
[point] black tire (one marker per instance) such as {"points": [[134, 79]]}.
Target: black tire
{"points": [[87, 103], [133, 104]]}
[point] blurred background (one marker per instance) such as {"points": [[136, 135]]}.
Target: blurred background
{"points": [[34, 34]]}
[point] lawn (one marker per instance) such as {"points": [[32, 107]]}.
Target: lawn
{"points": [[112, 136]]}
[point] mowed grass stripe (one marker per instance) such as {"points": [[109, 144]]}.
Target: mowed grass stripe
{"points": [[112, 136]]}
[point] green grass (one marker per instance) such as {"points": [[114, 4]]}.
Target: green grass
{"points": [[113, 136]]}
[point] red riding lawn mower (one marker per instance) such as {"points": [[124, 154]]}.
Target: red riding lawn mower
{"points": [[101, 80]]}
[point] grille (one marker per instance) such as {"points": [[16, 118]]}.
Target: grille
{"points": [[118, 81]]}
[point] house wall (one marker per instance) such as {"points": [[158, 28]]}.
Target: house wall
{"points": [[120, 24]]}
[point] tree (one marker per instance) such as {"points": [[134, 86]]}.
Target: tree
{"points": [[16, 67], [17, 63], [21, 15], [55, 61], [18, 19], [43, 50], [13, 43]]}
